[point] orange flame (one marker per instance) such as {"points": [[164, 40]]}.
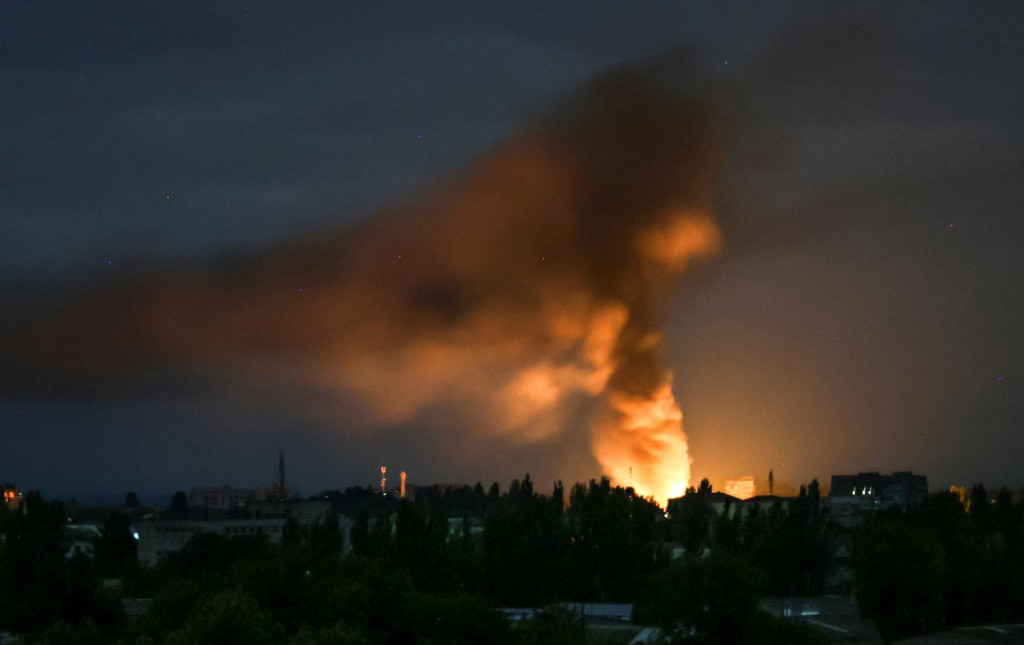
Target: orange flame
{"points": [[645, 434]]}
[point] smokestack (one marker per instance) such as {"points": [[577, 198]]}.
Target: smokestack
{"points": [[280, 472], [383, 480], [402, 493]]}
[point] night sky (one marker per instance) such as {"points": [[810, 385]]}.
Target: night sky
{"points": [[261, 171]]}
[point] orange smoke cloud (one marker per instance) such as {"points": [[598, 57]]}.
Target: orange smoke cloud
{"points": [[511, 299], [640, 438]]}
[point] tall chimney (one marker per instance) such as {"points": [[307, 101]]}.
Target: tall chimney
{"points": [[280, 472]]}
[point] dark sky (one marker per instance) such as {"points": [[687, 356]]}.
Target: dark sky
{"points": [[864, 311]]}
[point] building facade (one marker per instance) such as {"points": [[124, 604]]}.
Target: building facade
{"points": [[158, 538]]}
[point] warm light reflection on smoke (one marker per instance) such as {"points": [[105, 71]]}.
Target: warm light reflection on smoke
{"points": [[511, 303], [680, 238], [645, 434]]}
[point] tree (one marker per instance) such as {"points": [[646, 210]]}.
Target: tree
{"points": [[338, 634], [691, 517], [552, 626], [32, 565], [713, 600], [64, 633], [178, 509], [525, 543], [611, 531], [901, 577], [228, 617], [116, 548]]}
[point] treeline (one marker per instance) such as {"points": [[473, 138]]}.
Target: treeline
{"points": [[945, 563], [413, 576], [433, 569], [787, 542]]}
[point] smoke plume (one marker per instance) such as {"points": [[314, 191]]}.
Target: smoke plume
{"points": [[520, 292]]}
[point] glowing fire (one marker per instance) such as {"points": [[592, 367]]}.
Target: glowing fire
{"points": [[645, 434]]}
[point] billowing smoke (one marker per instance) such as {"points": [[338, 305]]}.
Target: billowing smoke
{"points": [[511, 299]]}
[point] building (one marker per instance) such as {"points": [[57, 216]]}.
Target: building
{"points": [[223, 498], [720, 502], [765, 503], [157, 538], [459, 527], [743, 488], [12, 497], [303, 511], [81, 538], [220, 498], [854, 496]]}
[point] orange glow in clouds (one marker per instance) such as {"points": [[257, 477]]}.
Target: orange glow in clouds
{"points": [[644, 434], [506, 305]]}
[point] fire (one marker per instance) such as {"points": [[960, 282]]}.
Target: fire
{"points": [[508, 304], [641, 437]]}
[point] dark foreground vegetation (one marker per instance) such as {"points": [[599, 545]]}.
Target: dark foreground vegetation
{"points": [[414, 576]]}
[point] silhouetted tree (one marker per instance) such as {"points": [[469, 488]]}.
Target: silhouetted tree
{"points": [[552, 626], [32, 566], [116, 548], [901, 577], [711, 601], [691, 516], [612, 531], [524, 544], [178, 510], [228, 617]]}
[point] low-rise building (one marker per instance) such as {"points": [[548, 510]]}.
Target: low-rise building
{"points": [[158, 538], [81, 538], [11, 497], [220, 498], [303, 511], [854, 496]]}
